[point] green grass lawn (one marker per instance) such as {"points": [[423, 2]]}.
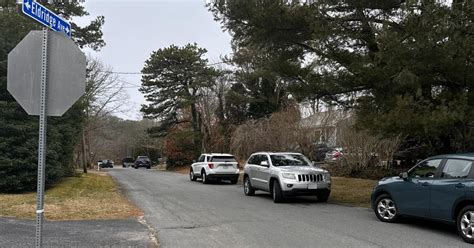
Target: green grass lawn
{"points": [[89, 196], [351, 191]]}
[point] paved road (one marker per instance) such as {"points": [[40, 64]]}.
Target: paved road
{"points": [[100, 233], [190, 214]]}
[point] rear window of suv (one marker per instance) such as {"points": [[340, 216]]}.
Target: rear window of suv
{"points": [[223, 159]]}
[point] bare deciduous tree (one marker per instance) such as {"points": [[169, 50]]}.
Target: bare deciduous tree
{"points": [[361, 149], [104, 96], [282, 131]]}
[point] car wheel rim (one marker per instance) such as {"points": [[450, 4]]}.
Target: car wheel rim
{"points": [[467, 224], [386, 209], [191, 175]]}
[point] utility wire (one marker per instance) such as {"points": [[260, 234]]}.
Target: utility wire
{"points": [[140, 73]]}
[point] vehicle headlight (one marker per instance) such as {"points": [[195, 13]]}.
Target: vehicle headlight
{"points": [[327, 177], [288, 175]]}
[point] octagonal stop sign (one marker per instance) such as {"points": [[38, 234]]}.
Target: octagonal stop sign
{"points": [[66, 73]]}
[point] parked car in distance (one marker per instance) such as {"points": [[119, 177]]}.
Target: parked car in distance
{"points": [[320, 151], [215, 166], [439, 188], [333, 155], [106, 163], [285, 174], [142, 161], [127, 162]]}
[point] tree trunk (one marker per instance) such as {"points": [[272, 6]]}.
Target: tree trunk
{"points": [[84, 162], [88, 150], [196, 131]]}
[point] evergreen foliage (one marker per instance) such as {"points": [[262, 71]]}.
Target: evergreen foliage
{"points": [[19, 131], [405, 66]]}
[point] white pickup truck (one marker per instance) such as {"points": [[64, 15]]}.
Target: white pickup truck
{"points": [[215, 166]]}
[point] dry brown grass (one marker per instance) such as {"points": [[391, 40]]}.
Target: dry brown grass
{"points": [[181, 170], [89, 196], [351, 191]]}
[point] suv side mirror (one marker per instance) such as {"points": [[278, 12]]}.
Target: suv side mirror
{"points": [[404, 175], [264, 163]]}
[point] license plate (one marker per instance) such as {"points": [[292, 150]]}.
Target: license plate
{"points": [[312, 186]]}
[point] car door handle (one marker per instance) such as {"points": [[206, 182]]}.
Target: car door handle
{"points": [[460, 185], [425, 184]]}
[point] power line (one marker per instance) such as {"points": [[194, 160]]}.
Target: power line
{"points": [[140, 73]]}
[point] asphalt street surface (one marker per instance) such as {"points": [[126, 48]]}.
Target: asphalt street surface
{"points": [[190, 214], [100, 233]]}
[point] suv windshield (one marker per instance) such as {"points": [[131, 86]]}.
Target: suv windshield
{"points": [[289, 160], [223, 159], [143, 158]]}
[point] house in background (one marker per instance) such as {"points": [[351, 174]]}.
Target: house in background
{"points": [[326, 125]]}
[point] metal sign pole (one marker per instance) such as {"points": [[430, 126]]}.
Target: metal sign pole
{"points": [[42, 140]]}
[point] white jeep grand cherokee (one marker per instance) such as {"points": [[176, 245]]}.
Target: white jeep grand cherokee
{"points": [[215, 166], [285, 174]]}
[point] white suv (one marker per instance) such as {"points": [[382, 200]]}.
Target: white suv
{"points": [[215, 166], [285, 174]]}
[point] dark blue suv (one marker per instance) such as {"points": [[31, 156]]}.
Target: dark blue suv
{"points": [[440, 188]]}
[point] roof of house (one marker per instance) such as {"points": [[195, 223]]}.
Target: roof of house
{"points": [[325, 119]]}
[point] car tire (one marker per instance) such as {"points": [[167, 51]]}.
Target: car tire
{"points": [[205, 180], [276, 192], [248, 189], [386, 209], [136, 167], [192, 177], [148, 167], [323, 197], [464, 224]]}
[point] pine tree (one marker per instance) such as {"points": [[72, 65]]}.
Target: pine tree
{"points": [[172, 80], [19, 131], [405, 66]]}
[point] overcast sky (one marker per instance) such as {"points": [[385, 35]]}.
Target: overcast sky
{"points": [[135, 28]]}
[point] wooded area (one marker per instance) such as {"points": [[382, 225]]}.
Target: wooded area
{"points": [[403, 70]]}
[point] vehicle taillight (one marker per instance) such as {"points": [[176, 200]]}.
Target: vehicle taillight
{"points": [[211, 166]]}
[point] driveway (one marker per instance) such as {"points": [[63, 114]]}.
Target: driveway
{"points": [[190, 214]]}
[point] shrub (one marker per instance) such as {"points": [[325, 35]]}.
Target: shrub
{"points": [[279, 132], [373, 172], [179, 148]]}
